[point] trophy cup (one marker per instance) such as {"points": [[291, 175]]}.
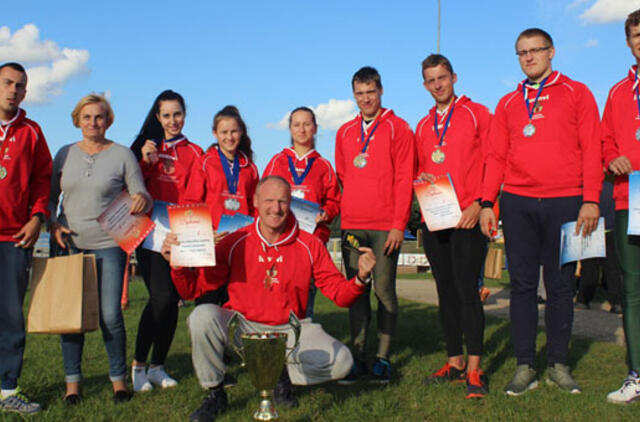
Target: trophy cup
{"points": [[264, 355]]}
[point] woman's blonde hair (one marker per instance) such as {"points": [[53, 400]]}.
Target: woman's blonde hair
{"points": [[92, 99]]}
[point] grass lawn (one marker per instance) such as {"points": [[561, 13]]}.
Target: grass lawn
{"points": [[419, 349]]}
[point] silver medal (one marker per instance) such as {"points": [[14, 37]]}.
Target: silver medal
{"points": [[529, 130], [297, 193], [3, 172], [232, 204], [638, 134], [360, 161]]}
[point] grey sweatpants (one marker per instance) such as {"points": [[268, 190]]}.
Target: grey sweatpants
{"points": [[318, 358]]}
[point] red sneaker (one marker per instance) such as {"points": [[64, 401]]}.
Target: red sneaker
{"points": [[447, 373], [476, 384]]}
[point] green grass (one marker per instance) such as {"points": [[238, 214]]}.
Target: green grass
{"points": [[418, 350]]}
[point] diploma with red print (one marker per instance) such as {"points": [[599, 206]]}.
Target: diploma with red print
{"points": [[128, 230], [192, 224], [438, 203]]}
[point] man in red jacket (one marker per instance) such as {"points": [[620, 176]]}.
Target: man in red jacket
{"points": [[545, 151], [452, 140], [375, 160], [25, 173], [267, 268]]}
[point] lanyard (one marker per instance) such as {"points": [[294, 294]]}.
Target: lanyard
{"points": [[530, 110], [637, 91], [446, 124], [232, 175], [298, 180], [366, 144]]}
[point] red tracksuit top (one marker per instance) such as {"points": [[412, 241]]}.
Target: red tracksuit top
{"points": [[25, 188], [167, 179], [620, 122], [243, 259], [563, 158], [208, 184], [465, 147], [319, 186], [378, 196]]}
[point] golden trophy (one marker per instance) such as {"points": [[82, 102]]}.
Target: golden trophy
{"points": [[264, 355]]}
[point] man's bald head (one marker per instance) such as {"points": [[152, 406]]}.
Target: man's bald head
{"points": [[274, 179], [272, 199]]}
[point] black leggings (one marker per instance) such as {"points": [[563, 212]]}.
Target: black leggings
{"points": [[455, 257], [160, 316]]}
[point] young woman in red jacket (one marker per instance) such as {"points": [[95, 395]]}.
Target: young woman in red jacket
{"points": [[167, 159]]}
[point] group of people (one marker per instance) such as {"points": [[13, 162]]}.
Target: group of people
{"points": [[543, 151]]}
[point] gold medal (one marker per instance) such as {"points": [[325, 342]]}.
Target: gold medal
{"points": [[437, 156], [360, 161], [3, 172]]}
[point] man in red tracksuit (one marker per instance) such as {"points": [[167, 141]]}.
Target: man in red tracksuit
{"points": [[452, 140], [375, 161], [545, 151], [267, 268], [25, 175]]}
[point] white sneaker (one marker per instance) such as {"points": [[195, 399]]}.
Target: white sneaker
{"points": [[139, 379], [159, 377], [629, 392]]}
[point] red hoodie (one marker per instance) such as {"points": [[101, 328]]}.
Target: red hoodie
{"points": [[563, 157], [319, 186], [619, 126], [243, 260], [167, 179], [465, 147], [378, 196], [27, 163], [208, 184]]}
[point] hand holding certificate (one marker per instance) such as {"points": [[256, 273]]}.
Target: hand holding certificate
{"points": [[305, 212], [160, 218], [438, 203], [192, 225], [575, 247], [128, 230]]}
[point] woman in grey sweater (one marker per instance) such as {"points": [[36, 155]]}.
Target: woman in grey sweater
{"points": [[90, 174]]}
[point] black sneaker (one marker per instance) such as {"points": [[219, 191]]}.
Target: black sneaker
{"points": [[283, 392], [381, 371], [447, 373], [358, 369], [214, 403]]}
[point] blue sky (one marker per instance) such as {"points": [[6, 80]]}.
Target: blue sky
{"points": [[268, 57]]}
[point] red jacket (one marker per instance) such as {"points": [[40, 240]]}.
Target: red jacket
{"points": [[619, 126], [27, 162], [243, 260], [319, 186], [208, 184], [378, 196], [562, 158], [465, 147], [167, 179]]}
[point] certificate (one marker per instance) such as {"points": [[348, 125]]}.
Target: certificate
{"points": [[438, 203], [575, 247], [634, 204], [305, 212], [192, 225], [230, 223], [160, 218], [128, 230]]}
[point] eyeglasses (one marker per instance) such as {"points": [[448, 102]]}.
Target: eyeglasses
{"points": [[523, 53]]}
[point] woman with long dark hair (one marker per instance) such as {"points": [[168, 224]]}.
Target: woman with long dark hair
{"points": [[167, 159]]}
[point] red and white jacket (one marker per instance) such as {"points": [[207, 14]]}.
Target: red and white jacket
{"points": [[465, 147], [167, 179], [208, 184], [319, 186], [378, 196], [265, 281], [620, 122], [563, 157], [27, 162]]}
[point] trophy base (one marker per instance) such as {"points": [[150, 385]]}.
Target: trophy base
{"points": [[266, 412]]}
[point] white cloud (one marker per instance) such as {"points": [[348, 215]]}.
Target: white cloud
{"points": [[606, 11], [577, 3], [53, 65], [591, 43], [330, 115]]}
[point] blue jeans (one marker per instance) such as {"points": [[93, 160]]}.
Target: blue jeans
{"points": [[110, 262], [14, 265]]}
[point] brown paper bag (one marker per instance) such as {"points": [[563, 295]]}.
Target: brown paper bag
{"points": [[493, 263], [64, 295]]}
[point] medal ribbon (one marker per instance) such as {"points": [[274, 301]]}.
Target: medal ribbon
{"points": [[170, 143], [231, 174], [297, 180], [446, 124], [530, 110], [636, 89], [366, 144]]}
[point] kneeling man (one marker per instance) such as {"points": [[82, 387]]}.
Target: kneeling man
{"points": [[267, 268]]}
